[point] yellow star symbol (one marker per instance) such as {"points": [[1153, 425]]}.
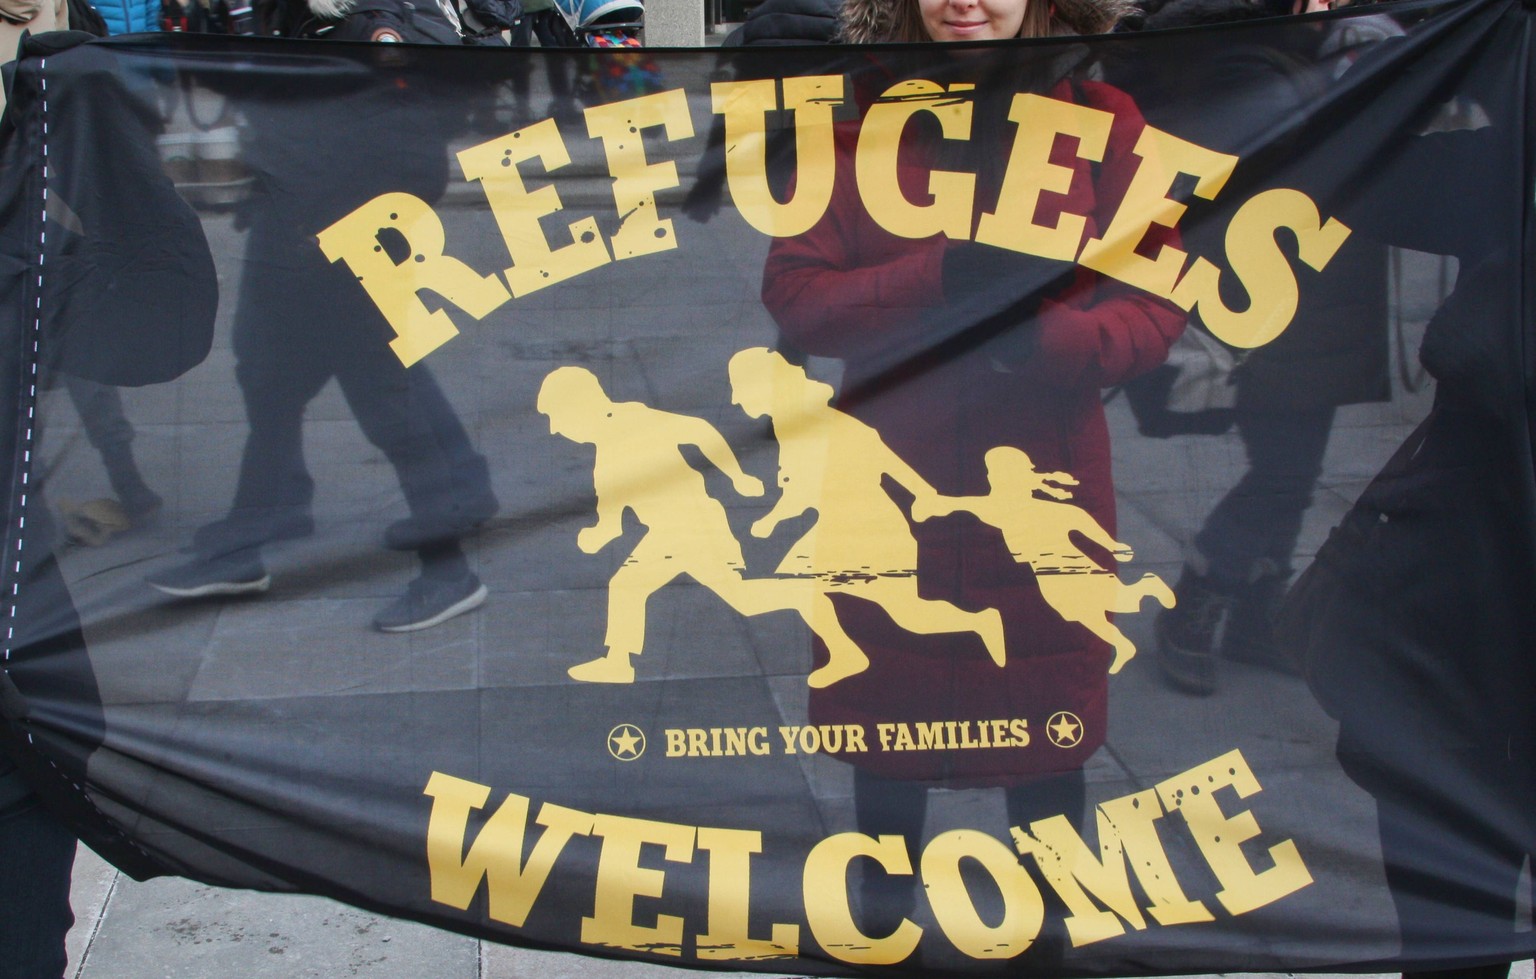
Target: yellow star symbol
{"points": [[1066, 729], [626, 742]]}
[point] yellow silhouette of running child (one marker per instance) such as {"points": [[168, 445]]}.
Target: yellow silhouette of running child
{"points": [[1039, 533], [861, 543], [640, 467]]}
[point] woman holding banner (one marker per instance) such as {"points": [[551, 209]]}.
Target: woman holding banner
{"points": [[951, 348]]}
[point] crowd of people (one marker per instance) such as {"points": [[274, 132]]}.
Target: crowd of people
{"points": [[518, 23]]}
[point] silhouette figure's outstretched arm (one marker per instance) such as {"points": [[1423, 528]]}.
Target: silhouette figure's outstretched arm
{"points": [[1089, 528], [699, 433], [795, 498], [610, 521], [925, 497]]}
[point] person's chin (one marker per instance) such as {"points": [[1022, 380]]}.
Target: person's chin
{"points": [[968, 32]]}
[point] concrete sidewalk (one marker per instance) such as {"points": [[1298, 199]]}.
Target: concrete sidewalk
{"points": [[179, 929]]}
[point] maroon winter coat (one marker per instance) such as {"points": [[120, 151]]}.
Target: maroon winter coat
{"points": [[850, 290]]}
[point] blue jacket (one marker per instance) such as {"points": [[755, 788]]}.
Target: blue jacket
{"points": [[129, 16]]}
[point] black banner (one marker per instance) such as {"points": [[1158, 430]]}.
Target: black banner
{"points": [[1055, 507]]}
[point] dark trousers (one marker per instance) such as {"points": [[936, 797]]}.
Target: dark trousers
{"points": [[36, 855], [294, 332], [402, 412], [1455, 898], [1260, 518], [1455, 830], [553, 32]]}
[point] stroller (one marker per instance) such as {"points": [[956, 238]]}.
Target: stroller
{"points": [[615, 24], [604, 23]]}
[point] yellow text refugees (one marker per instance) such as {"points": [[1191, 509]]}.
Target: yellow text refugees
{"points": [[1254, 255]]}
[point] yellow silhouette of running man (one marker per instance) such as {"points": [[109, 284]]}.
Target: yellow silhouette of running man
{"points": [[640, 467], [1039, 533], [861, 543]]}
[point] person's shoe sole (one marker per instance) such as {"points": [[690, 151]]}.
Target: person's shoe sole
{"points": [[214, 588], [603, 670], [468, 603], [1190, 672]]}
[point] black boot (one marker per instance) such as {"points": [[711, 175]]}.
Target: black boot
{"points": [[1250, 633], [1187, 633]]}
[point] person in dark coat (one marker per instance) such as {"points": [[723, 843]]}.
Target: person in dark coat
{"points": [[780, 22], [302, 321], [1288, 391], [1415, 620], [113, 191]]}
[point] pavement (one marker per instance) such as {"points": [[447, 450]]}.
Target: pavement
{"points": [[179, 928]]}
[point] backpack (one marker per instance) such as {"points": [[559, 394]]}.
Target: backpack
{"points": [[412, 21], [485, 20], [83, 17]]}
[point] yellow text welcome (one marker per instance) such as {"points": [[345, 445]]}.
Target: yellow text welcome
{"points": [[513, 858]]}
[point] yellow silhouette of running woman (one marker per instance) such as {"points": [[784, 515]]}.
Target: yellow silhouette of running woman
{"points": [[1039, 533], [640, 467], [861, 543]]}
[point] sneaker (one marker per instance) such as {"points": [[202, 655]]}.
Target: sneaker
{"points": [[207, 577], [429, 602], [1187, 634]]}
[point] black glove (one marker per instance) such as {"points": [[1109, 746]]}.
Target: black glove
{"points": [[991, 296]]}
